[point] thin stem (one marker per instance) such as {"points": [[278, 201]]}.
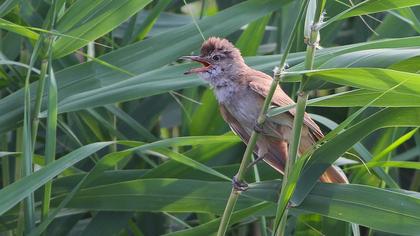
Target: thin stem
{"points": [[5, 163], [263, 221], [282, 210], [38, 101], [51, 135], [29, 202], [51, 129], [234, 195]]}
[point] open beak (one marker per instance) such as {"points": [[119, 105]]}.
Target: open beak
{"points": [[206, 64]]}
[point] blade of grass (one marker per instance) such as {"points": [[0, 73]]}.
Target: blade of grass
{"points": [[394, 145], [19, 190], [252, 37], [51, 136], [194, 20], [27, 150], [38, 101], [7, 6], [150, 20], [112, 159], [371, 6], [263, 220], [396, 164]]}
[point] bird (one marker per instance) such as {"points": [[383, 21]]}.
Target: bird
{"points": [[240, 91]]}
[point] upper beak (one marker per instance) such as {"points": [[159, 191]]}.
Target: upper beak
{"points": [[199, 59], [195, 58]]}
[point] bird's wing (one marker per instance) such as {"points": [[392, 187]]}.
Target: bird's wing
{"points": [[261, 82], [276, 152]]}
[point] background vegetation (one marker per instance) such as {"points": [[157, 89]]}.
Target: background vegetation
{"points": [[102, 134]]}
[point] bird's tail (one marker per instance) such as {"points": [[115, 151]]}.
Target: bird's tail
{"points": [[334, 175], [276, 158]]}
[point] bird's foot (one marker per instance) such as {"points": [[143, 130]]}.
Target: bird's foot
{"points": [[258, 128], [239, 185]]}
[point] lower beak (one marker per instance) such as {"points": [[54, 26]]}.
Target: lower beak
{"points": [[203, 61]]}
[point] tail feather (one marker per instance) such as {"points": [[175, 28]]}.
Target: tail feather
{"points": [[334, 175], [277, 155]]}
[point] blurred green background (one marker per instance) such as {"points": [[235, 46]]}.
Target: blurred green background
{"points": [[134, 147]]}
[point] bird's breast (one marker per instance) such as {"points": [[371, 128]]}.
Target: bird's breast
{"points": [[245, 106]]}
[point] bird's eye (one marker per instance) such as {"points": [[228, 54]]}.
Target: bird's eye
{"points": [[216, 57]]}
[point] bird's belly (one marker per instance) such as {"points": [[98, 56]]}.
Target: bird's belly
{"points": [[246, 108]]}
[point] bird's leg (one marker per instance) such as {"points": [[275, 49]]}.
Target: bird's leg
{"points": [[238, 185], [254, 162], [262, 152]]}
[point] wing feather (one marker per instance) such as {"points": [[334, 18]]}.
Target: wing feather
{"points": [[261, 82]]}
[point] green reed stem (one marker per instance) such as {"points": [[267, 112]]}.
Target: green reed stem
{"points": [[38, 101], [312, 43], [51, 138], [29, 204], [234, 195], [263, 220]]}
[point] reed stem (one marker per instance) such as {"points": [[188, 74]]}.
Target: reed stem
{"points": [[234, 195], [286, 193]]}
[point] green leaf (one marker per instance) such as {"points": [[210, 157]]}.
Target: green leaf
{"points": [[326, 54], [411, 17], [367, 78], [107, 223], [151, 18], [361, 97], [14, 193], [396, 164], [372, 6], [251, 38], [89, 20], [7, 6], [325, 155], [18, 29], [210, 228], [142, 57], [344, 202], [381, 58], [92, 76], [201, 122], [404, 138]]}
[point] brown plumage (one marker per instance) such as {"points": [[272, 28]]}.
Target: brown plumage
{"points": [[240, 91]]}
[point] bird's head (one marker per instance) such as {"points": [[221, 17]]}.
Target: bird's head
{"points": [[217, 56]]}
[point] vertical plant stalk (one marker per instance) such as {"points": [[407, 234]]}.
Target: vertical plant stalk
{"points": [[51, 107], [18, 174], [38, 101], [5, 164], [51, 136], [312, 43], [263, 221], [29, 203], [234, 195]]}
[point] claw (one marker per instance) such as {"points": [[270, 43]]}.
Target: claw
{"points": [[239, 186], [258, 128]]}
